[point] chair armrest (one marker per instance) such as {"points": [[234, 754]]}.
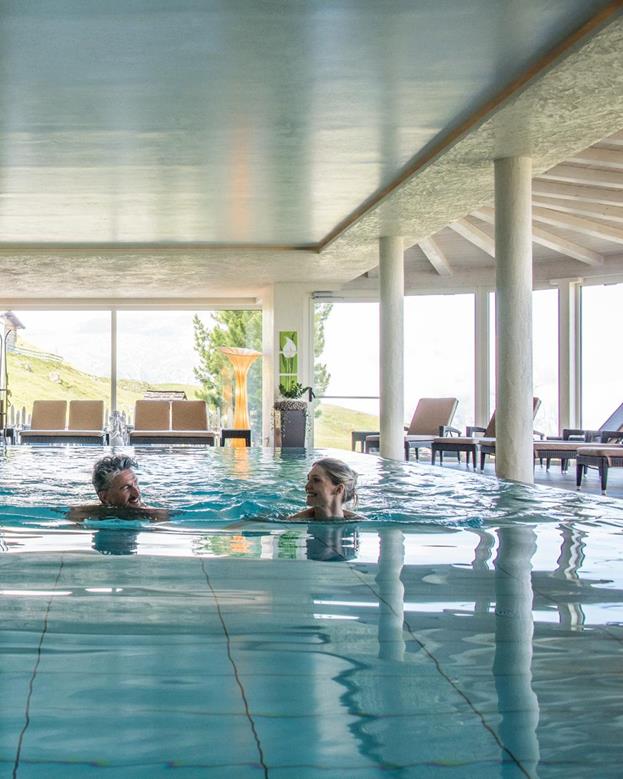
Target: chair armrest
{"points": [[448, 430], [608, 436], [471, 429], [539, 434], [573, 434]]}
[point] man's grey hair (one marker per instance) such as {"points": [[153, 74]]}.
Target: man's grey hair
{"points": [[340, 473], [105, 470]]}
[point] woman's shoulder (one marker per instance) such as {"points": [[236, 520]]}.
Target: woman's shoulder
{"points": [[305, 514]]}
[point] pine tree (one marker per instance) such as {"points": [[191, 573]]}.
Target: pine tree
{"points": [[244, 329]]}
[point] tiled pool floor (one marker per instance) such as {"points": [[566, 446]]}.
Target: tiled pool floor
{"points": [[404, 651]]}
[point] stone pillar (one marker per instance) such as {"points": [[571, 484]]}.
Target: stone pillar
{"points": [[284, 307], [482, 368], [513, 251], [391, 278], [569, 354]]}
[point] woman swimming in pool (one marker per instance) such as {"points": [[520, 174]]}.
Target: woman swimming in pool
{"points": [[330, 484]]}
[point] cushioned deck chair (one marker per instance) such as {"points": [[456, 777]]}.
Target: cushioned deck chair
{"points": [[86, 422], [48, 420], [171, 422], [432, 418], [152, 419], [600, 457], [189, 423], [565, 447], [469, 443]]}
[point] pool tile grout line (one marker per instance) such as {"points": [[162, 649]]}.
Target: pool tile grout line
{"points": [[245, 701], [440, 670], [33, 676]]}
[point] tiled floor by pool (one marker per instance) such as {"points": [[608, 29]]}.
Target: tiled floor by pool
{"points": [[422, 656], [467, 629]]}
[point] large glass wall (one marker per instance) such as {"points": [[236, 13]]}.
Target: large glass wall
{"points": [[544, 357], [439, 352], [346, 368], [602, 370], [58, 355], [67, 355], [178, 350], [439, 362]]}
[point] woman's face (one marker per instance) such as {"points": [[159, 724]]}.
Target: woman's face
{"points": [[319, 488]]}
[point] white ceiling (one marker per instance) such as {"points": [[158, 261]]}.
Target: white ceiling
{"points": [[192, 148]]}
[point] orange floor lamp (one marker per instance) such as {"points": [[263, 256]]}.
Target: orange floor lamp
{"points": [[241, 359]]}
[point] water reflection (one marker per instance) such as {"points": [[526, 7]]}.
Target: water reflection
{"points": [[514, 627], [571, 559], [392, 594], [331, 542], [115, 541]]}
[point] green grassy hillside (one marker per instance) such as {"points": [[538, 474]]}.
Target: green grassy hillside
{"points": [[32, 378], [334, 425]]}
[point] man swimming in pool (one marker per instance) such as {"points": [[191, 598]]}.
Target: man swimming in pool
{"points": [[117, 488]]}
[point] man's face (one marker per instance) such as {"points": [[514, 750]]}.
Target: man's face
{"points": [[123, 491]]}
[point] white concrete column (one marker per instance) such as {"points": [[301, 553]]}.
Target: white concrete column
{"points": [[513, 251], [569, 354], [284, 307], [391, 312], [113, 361], [482, 368]]}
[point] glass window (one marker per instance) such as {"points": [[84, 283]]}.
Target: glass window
{"points": [[59, 355], [439, 352], [602, 371], [346, 349], [544, 357], [178, 350]]}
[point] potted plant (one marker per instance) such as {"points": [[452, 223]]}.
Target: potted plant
{"points": [[291, 415]]}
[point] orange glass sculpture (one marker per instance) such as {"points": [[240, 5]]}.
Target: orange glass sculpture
{"points": [[241, 359]]}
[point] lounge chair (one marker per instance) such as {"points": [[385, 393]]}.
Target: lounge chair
{"points": [[565, 447], [86, 423], [469, 443], [171, 422], [600, 457], [152, 419], [189, 423], [432, 418], [48, 420]]}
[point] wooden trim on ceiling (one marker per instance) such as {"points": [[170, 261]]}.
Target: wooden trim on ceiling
{"points": [[147, 248], [436, 148]]}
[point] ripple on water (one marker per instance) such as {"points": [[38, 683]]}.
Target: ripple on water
{"points": [[37, 484]]}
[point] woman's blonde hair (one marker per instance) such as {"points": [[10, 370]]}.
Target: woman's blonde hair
{"points": [[340, 473]]}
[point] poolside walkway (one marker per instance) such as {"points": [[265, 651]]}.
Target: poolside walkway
{"points": [[551, 478]]}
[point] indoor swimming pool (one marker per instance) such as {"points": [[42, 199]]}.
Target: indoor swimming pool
{"points": [[465, 628]]}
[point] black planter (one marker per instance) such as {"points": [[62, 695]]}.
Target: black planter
{"points": [[290, 423]]}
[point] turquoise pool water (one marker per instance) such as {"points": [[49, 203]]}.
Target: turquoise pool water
{"points": [[466, 629]]}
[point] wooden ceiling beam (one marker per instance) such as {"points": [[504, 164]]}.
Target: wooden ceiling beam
{"points": [[609, 159], [578, 223], [551, 240], [592, 177], [474, 235], [573, 192], [435, 256], [580, 208]]}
